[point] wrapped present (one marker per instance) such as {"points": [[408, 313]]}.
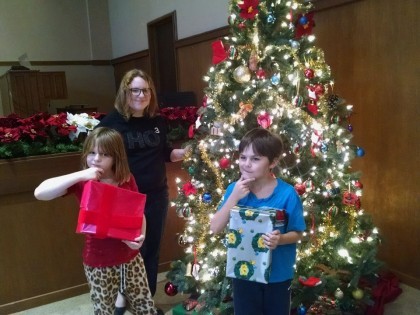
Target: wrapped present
{"points": [[247, 256], [110, 211]]}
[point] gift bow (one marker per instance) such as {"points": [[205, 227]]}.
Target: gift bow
{"points": [[219, 52]]}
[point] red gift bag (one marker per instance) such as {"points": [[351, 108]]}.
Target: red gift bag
{"points": [[110, 211]]}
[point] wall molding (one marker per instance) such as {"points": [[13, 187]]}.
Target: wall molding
{"points": [[202, 37], [60, 63], [321, 5], [130, 57]]}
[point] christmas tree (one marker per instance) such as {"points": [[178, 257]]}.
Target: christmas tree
{"points": [[268, 73]]}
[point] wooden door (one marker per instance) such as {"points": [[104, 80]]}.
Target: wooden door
{"points": [[162, 35]]}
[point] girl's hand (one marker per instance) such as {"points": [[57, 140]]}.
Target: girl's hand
{"points": [[272, 239], [242, 187], [93, 173], [138, 242]]}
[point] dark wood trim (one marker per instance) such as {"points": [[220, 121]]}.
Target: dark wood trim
{"points": [[8, 63], [219, 32], [133, 56], [61, 63], [321, 5], [44, 299]]}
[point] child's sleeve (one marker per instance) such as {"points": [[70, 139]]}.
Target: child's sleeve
{"points": [[294, 210], [226, 195], [132, 185]]}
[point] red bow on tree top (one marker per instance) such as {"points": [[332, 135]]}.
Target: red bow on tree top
{"points": [[249, 9], [304, 24]]}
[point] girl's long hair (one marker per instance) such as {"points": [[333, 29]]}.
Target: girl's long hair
{"points": [[109, 141], [124, 94]]}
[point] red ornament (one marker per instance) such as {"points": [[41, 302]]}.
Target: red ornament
{"points": [[309, 73], [224, 163], [264, 120], [319, 89], [260, 74], [351, 199], [309, 282], [312, 107], [241, 25], [300, 189], [358, 184], [171, 289]]}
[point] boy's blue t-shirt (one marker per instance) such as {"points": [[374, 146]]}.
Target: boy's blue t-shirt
{"points": [[284, 197]]}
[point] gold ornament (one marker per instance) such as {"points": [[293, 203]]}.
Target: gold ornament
{"points": [[242, 74], [188, 270]]}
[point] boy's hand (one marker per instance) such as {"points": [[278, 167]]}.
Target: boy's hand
{"points": [[242, 187], [271, 240], [138, 242]]}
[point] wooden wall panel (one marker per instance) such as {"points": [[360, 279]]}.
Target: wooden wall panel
{"points": [[41, 255], [372, 48], [193, 63], [194, 58], [140, 60]]}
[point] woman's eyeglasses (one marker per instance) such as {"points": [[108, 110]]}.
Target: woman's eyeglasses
{"points": [[137, 92]]}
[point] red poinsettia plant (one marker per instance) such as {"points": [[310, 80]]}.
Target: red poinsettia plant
{"points": [[249, 9], [179, 120], [42, 133]]}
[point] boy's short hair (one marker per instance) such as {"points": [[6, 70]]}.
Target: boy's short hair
{"points": [[263, 142]]}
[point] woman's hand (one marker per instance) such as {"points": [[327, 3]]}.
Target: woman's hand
{"points": [[138, 242], [272, 239]]}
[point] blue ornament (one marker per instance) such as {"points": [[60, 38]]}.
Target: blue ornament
{"points": [[191, 170], [294, 44], [324, 147], [350, 127], [301, 310], [275, 79], [360, 152], [206, 198], [271, 18], [303, 20]]}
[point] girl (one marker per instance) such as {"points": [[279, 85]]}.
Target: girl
{"points": [[259, 153], [110, 265]]}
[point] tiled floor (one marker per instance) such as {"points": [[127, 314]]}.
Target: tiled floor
{"points": [[408, 303]]}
